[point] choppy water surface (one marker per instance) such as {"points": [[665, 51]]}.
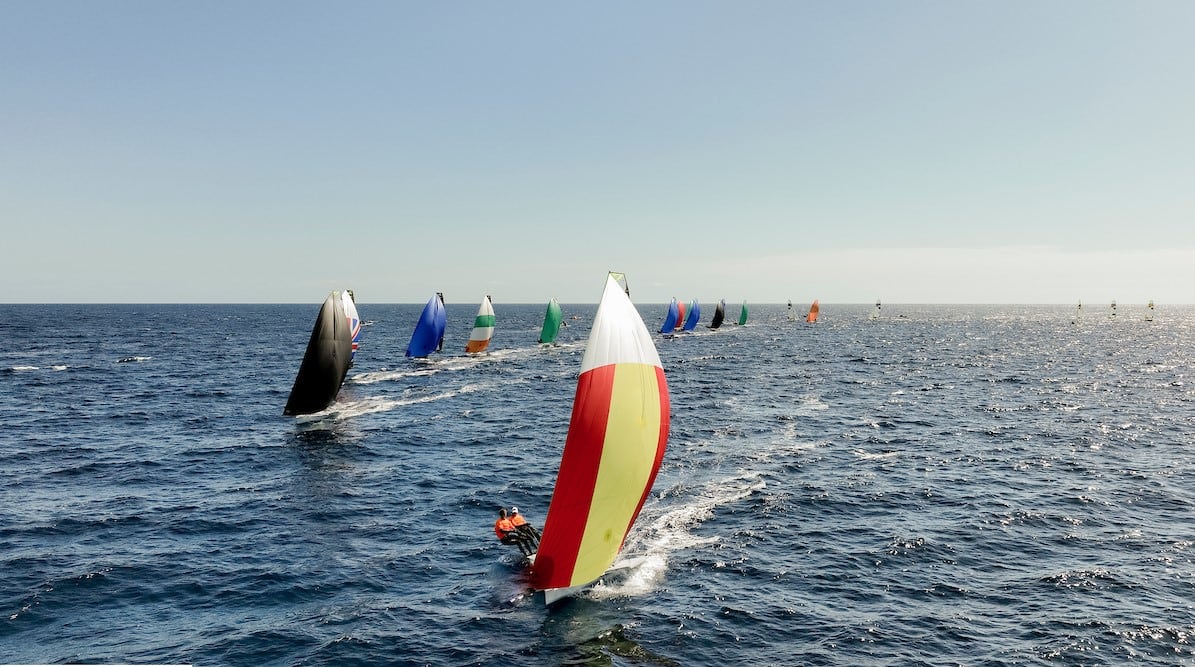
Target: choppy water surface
{"points": [[987, 485]]}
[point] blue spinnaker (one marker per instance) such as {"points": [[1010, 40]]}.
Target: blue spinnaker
{"points": [[428, 336]]}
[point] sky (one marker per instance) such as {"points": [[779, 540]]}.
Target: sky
{"points": [[922, 151]]}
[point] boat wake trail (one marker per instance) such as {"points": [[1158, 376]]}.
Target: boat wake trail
{"points": [[356, 408], [428, 367], [644, 561], [373, 377]]}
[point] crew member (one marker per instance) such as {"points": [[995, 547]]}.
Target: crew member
{"points": [[508, 534], [528, 531]]}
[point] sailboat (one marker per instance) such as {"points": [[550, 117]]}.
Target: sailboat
{"points": [[719, 314], [812, 315], [326, 361], [1078, 313], [552, 317], [349, 300], [1113, 313], [792, 316], [875, 314], [693, 317], [483, 327], [1149, 314], [743, 314], [615, 443], [680, 315], [671, 318], [428, 336]]}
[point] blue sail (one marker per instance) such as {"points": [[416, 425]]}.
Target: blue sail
{"points": [[429, 332], [670, 319], [693, 316]]}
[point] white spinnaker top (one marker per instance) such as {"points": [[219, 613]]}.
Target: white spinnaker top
{"points": [[605, 346]]}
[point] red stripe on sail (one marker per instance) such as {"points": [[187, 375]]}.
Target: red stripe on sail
{"points": [[568, 513]]}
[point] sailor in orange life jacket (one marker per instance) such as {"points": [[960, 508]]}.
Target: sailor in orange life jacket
{"points": [[528, 531], [508, 534]]}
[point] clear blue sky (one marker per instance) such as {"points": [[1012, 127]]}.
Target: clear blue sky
{"points": [[921, 151]]}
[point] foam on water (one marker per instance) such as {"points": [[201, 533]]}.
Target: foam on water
{"points": [[343, 410], [668, 527]]}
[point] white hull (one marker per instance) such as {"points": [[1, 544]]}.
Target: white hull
{"points": [[556, 594]]}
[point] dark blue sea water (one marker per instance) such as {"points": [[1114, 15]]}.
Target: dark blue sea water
{"points": [[987, 485]]}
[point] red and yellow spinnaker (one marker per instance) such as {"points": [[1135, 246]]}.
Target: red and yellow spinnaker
{"points": [[613, 450]]}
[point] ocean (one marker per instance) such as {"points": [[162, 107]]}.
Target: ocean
{"points": [[948, 485]]}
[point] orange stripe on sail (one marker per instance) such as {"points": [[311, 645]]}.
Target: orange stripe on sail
{"points": [[477, 345]]}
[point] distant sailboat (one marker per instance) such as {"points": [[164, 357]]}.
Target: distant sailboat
{"points": [[875, 314], [552, 318], [349, 301], [792, 315], [719, 314], [693, 317], [1078, 313], [812, 315], [1149, 314], [671, 318], [428, 336], [743, 314], [1113, 313], [616, 440], [326, 361], [483, 327]]}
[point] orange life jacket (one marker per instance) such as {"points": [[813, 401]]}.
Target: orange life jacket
{"points": [[518, 520], [503, 526]]}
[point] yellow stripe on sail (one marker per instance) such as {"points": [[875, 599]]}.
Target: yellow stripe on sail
{"points": [[628, 453]]}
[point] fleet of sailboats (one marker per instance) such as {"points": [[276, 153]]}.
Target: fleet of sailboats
{"points": [[617, 434]]}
